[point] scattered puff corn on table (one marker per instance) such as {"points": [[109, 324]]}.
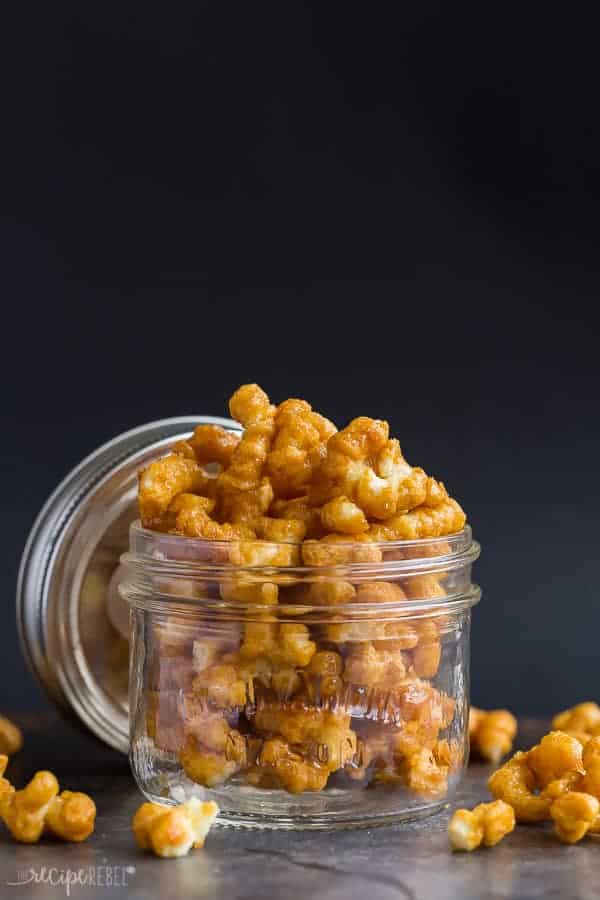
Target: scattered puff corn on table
{"points": [[301, 602], [557, 779]]}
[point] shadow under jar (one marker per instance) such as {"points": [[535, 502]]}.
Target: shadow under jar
{"points": [[324, 687]]}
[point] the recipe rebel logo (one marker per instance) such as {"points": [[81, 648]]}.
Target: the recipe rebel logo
{"points": [[71, 879]]}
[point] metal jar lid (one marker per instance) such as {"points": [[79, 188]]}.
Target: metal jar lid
{"points": [[72, 623]]}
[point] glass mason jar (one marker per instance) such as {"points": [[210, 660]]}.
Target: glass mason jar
{"points": [[319, 686]]}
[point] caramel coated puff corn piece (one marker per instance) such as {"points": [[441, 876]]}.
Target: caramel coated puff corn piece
{"points": [[172, 831], [486, 824], [392, 485], [514, 782], [366, 665], [162, 481], [575, 814], [290, 531], [38, 808], [528, 780], [71, 816], [11, 737], [249, 553], [213, 444], [422, 522], [423, 587], [298, 510], [189, 514], [287, 644], [582, 721], [323, 675], [276, 549], [422, 774], [24, 812], [245, 506], [326, 734], [298, 447], [211, 767], [491, 733], [590, 782], [252, 408], [555, 755], [347, 459], [362, 464], [221, 686], [343, 516], [279, 766], [427, 654], [339, 549]]}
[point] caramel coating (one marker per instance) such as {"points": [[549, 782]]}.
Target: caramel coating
{"points": [[298, 510], [346, 459], [557, 779], [213, 444], [338, 549], [162, 481], [221, 686], [251, 407], [514, 782], [325, 734], [343, 516], [172, 831], [11, 737], [215, 754], [424, 775], [279, 766], [39, 808], [421, 522], [298, 447], [530, 781], [555, 755], [491, 733], [392, 486], [574, 813], [590, 781], [427, 654], [486, 824], [71, 816], [366, 665]]}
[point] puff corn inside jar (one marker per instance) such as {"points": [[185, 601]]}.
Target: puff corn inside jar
{"points": [[301, 600]]}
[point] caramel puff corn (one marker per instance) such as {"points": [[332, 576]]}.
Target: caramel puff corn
{"points": [[298, 447], [491, 733], [530, 781], [582, 721], [172, 831], [486, 824], [11, 738], [575, 814], [39, 809], [575, 809], [291, 464]]}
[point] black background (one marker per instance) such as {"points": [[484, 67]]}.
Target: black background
{"points": [[388, 210]]}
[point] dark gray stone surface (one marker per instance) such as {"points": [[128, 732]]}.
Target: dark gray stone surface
{"points": [[411, 861]]}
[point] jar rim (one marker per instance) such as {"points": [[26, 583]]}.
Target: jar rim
{"points": [[178, 555], [157, 562]]}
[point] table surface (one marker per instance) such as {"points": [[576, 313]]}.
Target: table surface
{"points": [[411, 861]]}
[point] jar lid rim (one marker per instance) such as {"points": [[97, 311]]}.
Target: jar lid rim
{"points": [[71, 525]]}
